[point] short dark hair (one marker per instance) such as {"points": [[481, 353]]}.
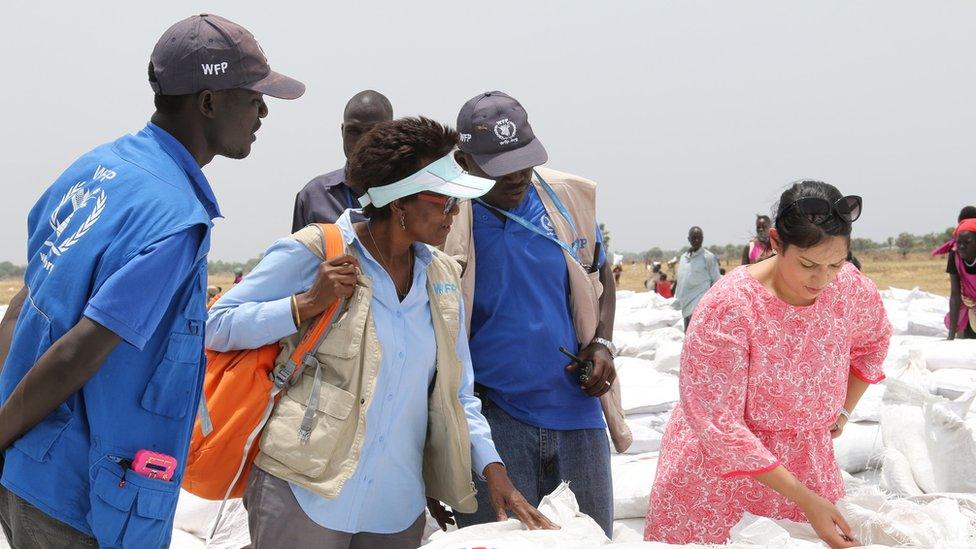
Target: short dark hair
{"points": [[795, 229], [393, 150], [765, 218], [969, 212], [167, 104]]}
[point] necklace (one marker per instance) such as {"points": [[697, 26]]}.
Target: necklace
{"points": [[401, 295], [966, 263]]}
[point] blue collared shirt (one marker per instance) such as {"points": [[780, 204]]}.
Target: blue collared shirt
{"points": [[386, 493], [521, 317]]}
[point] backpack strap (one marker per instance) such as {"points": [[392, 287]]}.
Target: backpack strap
{"points": [[304, 354]]}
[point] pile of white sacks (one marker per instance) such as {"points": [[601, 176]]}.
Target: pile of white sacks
{"points": [[909, 454]]}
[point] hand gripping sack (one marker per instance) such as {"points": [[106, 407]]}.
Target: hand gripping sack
{"points": [[240, 390]]}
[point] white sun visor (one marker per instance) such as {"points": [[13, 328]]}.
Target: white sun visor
{"points": [[443, 176]]}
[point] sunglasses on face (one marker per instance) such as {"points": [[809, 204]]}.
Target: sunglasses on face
{"points": [[819, 210], [447, 202]]}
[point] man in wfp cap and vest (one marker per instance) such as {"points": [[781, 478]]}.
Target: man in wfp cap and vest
{"points": [[534, 272], [102, 350]]}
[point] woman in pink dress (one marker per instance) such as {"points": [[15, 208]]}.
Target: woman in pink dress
{"points": [[776, 356]]}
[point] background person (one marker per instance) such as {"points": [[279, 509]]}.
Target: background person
{"points": [[400, 350], [324, 198], [968, 212], [116, 279], [961, 267], [758, 248], [698, 270], [779, 354]]}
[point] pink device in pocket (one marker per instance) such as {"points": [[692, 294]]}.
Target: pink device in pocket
{"points": [[154, 465]]}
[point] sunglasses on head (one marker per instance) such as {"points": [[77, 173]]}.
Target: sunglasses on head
{"points": [[447, 202], [819, 210]]}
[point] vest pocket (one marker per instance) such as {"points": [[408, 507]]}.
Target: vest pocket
{"points": [[134, 514], [37, 442], [346, 338], [280, 438], [170, 390]]}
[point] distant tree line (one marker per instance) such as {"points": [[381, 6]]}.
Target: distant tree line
{"points": [[228, 267], [9, 270]]}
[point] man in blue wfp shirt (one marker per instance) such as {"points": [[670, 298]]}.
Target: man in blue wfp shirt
{"points": [[547, 426], [102, 350]]}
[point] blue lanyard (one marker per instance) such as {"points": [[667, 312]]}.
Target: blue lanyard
{"points": [[559, 205], [572, 250], [349, 198]]}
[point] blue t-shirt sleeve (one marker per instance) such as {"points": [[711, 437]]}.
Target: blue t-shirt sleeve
{"points": [[603, 255], [133, 300]]}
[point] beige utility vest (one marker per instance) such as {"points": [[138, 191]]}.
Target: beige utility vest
{"points": [[578, 195], [350, 360]]}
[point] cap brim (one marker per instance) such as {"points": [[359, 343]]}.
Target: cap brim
{"points": [[464, 186], [278, 85], [504, 163]]}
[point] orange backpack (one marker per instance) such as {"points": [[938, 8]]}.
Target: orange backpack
{"points": [[240, 391]]}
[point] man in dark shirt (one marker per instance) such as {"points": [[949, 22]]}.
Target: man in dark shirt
{"points": [[325, 198]]}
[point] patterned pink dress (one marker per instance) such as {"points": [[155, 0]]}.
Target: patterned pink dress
{"points": [[761, 383]]}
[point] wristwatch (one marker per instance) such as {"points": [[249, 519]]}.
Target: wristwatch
{"points": [[608, 344]]}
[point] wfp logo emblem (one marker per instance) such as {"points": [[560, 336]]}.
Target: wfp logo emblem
{"points": [[441, 288], [76, 199], [505, 131], [215, 69]]}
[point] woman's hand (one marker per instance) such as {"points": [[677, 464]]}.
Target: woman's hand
{"points": [[827, 521], [838, 427], [504, 497], [440, 513], [336, 278]]}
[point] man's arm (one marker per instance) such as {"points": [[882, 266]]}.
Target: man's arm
{"points": [[60, 372], [603, 372], [608, 303], [9, 323]]}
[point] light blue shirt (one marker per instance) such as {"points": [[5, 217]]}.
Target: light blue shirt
{"points": [[697, 272], [386, 493]]}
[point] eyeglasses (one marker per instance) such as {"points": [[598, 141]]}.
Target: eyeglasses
{"points": [[448, 202], [819, 210]]}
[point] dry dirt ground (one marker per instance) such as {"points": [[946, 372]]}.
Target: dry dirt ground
{"points": [[886, 268]]}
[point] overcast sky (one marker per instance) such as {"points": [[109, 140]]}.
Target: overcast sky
{"points": [[684, 112]]}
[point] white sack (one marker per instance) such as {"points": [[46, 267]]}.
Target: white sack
{"points": [[647, 430], [929, 430], [196, 516], [643, 388], [960, 353], [633, 477], [859, 447], [577, 531]]}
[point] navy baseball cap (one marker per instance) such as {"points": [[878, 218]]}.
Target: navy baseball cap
{"points": [[208, 52], [495, 131]]}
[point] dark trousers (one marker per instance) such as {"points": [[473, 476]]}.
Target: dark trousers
{"points": [[27, 527], [537, 460], [275, 519]]}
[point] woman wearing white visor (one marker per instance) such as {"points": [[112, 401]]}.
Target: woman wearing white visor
{"points": [[396, 427]]}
